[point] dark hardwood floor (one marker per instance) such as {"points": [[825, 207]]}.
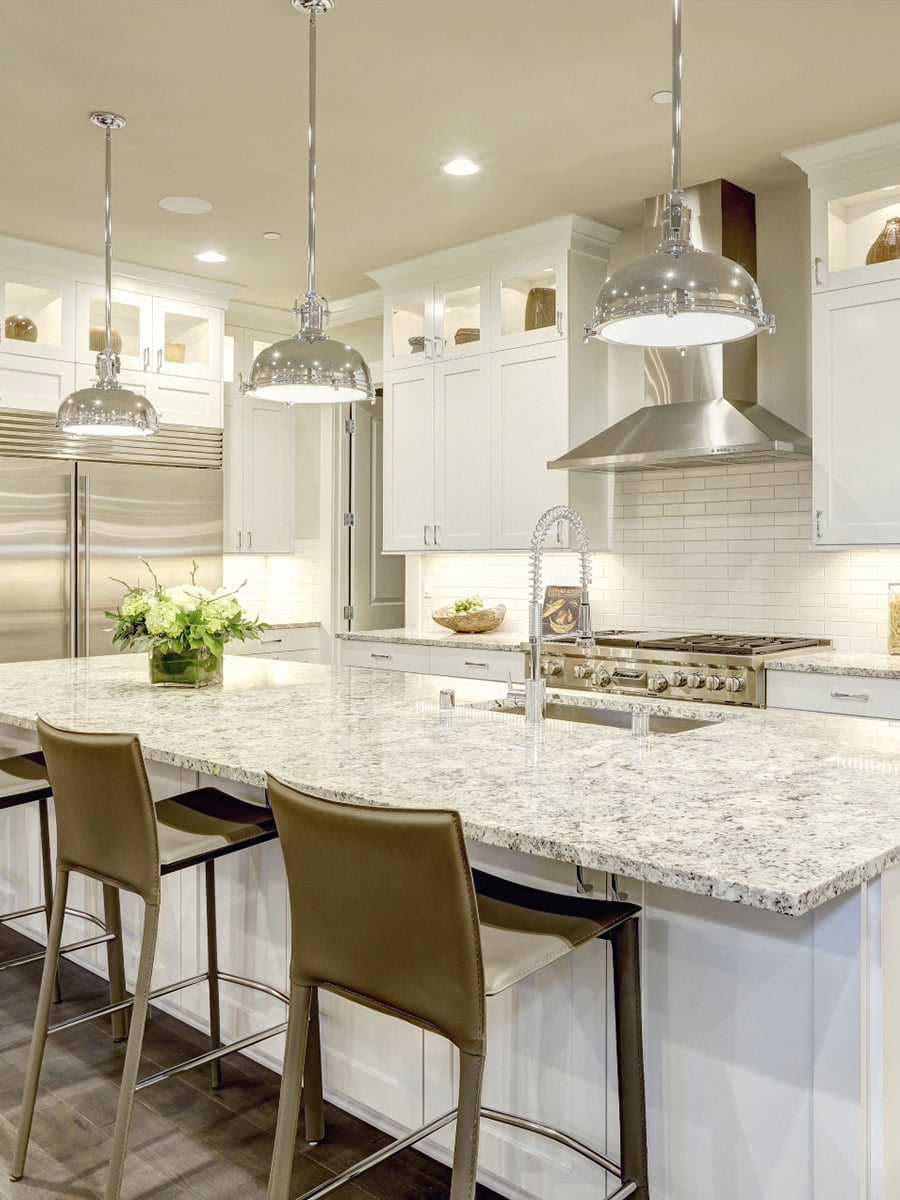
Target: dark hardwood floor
{"points": [[186, 1141]]}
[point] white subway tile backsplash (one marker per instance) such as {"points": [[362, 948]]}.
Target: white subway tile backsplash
{"points": [[279, 587], [726, 549]]}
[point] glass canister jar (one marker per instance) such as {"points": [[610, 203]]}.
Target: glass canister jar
{"points": [[894, 618]]}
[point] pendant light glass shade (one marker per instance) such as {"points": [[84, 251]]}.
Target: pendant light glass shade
{"points": [[310, 367], [679, 295], [105, 408]]}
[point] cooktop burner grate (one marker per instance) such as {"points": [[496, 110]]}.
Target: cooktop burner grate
{"points": [[719, 643]]}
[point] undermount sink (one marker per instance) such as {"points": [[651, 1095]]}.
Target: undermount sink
{"points": [[581, 714]]}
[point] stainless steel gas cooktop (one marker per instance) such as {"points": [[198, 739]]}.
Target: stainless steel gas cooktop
{"points": [[715, 667]]}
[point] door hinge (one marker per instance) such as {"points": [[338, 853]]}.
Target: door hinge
{"points": [[350, 425], [349, 520], [348, 612]]}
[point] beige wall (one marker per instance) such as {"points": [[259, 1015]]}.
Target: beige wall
{"points": [[364, 336]]}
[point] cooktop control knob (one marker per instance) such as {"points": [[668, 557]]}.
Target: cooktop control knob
{"points": [[715, 682], [678, 679], [551, 666], [657, 683], [584, 670], [602, 678], [695, 681], [734, 683]]}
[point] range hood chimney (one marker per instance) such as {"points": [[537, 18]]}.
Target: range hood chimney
{"points": [[700, 404]]}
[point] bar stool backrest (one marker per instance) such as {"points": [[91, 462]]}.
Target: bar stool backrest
{"points": [[105, 825], [383, 910]]}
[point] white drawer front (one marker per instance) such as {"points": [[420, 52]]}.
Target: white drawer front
{"points": [[849, 695], [477, 664], [386, 656], [278, 641]]}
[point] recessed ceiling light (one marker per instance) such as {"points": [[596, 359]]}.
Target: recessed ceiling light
{"points": [[185, 204], [664, 97], [461, 166], [211, 256], [272, 236]]}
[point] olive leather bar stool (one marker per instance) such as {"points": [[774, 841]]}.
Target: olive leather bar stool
{"points": [[429, 945], [109, 829], [23, 780]]}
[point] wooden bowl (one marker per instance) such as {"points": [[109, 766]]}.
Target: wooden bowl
{"points": [[479, 620]]}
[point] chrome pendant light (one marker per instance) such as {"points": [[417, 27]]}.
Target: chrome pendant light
{"points": [[106, 408], [679, 295], [310, 367]]}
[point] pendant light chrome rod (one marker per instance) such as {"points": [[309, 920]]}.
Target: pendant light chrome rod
{"points": [[677, 67], [108, 342], [311, 231]]}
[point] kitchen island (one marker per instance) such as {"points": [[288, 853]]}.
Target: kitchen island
{"points": [[761, 847]]}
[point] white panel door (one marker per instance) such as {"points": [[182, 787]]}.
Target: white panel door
{"points": [[131, 319], [856, 415], [187, 339], [234, 525], [530, 425], [38, 384], [409, 459], [462, 455], [268, 477], [187, 401]]}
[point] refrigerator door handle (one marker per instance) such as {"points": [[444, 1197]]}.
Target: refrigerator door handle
{"points": [[72, 583], [87, 566]]}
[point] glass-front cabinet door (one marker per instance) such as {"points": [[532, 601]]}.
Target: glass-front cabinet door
{"points": [[37, 315], [409, 328], [187, 340], [461, 316], [528, 301], [856, 237], [131, 323]]}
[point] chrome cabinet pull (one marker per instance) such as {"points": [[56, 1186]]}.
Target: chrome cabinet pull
{"points": [[159, 360], [249, 539], [817, 262], [239, 539], [438, 536], [385, 656], [850, 695], [559, 322], [271, 641], [475, 664], [146, 358], [560, 533], [426, 533]]}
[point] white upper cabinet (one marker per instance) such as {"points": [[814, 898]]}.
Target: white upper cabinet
{"points": [[167, 330], [486, 380], [854, 199], [37, 314]]}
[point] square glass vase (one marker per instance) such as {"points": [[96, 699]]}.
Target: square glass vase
{"points": [[185, 668]]}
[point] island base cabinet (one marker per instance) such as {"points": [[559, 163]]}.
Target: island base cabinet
{"points": [[772, 1043]]}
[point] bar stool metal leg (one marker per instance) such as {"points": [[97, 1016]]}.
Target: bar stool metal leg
{"points": [[630, 1056], [133, 1052], [212, 961], [41, 1022], [115, 960], [313, 1102], [468, 1113], [289, 1102], [47, 878]]}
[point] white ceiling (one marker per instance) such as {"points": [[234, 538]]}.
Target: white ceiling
{"points": [[551, 95]]}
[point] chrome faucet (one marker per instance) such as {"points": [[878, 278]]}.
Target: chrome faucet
{"points": [[535, 686]]}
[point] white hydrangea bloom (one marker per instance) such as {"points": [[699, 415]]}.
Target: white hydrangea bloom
{"points": [[188, 596]]}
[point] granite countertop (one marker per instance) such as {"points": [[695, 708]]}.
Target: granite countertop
{"points": [[776, 810], [832, 662], [294, 624], [440, 637]]}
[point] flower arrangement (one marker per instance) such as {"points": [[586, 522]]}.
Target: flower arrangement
{"points": [[186, 628]]}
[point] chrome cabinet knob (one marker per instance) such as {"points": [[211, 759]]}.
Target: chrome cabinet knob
{"points": [[734, 683], [715, 682], [695, 681], [657, 683], [602, 678], [584, 670], [551, 666], [678, 679]]}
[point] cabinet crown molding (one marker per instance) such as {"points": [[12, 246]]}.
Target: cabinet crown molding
{"points": [[579, 232], [841, 157]]}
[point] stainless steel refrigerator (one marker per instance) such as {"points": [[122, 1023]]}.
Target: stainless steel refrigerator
{"points": [[68, 525]]}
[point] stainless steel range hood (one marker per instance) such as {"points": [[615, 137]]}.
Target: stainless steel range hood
{"points": [[700, 404]]}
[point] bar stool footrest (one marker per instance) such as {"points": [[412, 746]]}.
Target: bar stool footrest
{"points": [[210, 1056]]}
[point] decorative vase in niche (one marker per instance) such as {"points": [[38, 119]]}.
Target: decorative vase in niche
{"points": [[540, 308], [175, 352], [97, 339], [465, 335], [887, 245], [417, 344], [21, 329], [185, 668]]}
